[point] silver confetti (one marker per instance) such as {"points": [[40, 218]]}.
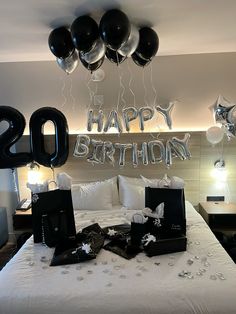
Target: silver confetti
{"points": [[43, 259], [122, 276], [196, 257], [31, 263], [114, 260], [105, 271], [213, 277], [109, 284], [138, 260], [44, 267], [142, 268], [197, 242], [117, 267], [28, 259], [156, 263], [104, 263], [66, 266], [209, 254], [64, 272], [190, 261], [80, 278], [190, 277], [171, 264], [78, 267], [198, 273], [89, 272]]}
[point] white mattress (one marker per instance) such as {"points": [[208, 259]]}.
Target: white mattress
{"points": [[111, 284]]}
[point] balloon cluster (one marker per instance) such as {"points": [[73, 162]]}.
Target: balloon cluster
{"points": [[115, 37], [225, 114]]}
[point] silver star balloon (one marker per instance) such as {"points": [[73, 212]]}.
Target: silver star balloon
{"points": [[221, 109]]}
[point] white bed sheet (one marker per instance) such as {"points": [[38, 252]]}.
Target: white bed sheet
{"points": [[111, 284]]}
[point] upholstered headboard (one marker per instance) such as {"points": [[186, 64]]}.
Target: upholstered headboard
{"points": [[195, 172]]}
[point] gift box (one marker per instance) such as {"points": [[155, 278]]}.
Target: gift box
{"points": [[172, 204], [166, 245]]}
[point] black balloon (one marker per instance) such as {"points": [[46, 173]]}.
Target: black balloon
{"points": [[114, 28], [91, 66], [60, 42], [139, 61], [84, 32], [114, 56], [148, 43], [37, 121], [16, 126]]}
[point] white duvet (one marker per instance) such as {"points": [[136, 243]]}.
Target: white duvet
{"points": [[111, 284]]}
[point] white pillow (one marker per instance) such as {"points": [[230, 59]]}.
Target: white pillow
{"points": [[171, 183], [92, 196], [132, 192], [115, 194], [152, 183]]}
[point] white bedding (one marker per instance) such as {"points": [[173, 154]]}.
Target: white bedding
{"points": [[111, 284]]}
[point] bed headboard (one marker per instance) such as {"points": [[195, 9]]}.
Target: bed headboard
{"points": [[195, 172]]}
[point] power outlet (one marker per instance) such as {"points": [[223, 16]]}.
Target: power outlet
{"points": [[215, 198]]}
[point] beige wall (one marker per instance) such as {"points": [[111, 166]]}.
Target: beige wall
{"points": [[195, 80]]}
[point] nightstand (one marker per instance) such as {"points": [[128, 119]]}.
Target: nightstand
{"points": [[220, 216], [22, 220]]}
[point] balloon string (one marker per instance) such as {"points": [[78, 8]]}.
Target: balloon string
{"points": [[122, 87], [71, 95], [145, 88], [130, 81], [15, 184], [118, 96], [62, 92], [91, 94], [152, 85]]}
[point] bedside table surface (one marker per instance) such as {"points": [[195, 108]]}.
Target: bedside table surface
{"points": [[23, 212], [220, 208]]}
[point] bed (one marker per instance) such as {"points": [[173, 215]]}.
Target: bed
{"points": [[111, 284]]}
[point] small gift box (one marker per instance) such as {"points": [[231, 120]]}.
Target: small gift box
{"points": [[165, 245]]}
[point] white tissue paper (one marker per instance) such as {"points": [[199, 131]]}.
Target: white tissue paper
{"points": [[38, 187], [63, 181]]}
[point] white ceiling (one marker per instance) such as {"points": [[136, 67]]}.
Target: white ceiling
{"points": [[183, 26]]}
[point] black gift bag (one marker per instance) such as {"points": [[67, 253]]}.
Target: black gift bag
{"points": [[53, 217], [173, 223]]}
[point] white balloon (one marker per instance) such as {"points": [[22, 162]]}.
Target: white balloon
{"points": [[81, 146], [214, 134], [145, 114], [129, 114], [129, 47], [95, 119], [96, 53], [70, 63]]}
